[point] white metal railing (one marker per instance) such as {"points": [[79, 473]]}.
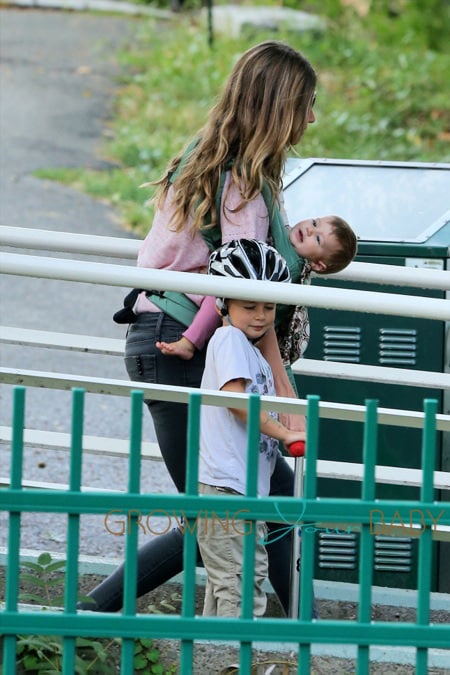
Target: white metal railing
{"points": [[113, 387], [335, 369], [290, 294], [130, 276], [116, 447], [118, 275], [118, 247]]}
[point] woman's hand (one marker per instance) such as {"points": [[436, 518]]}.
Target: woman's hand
{"points": [[271, 352], [293, 422]]}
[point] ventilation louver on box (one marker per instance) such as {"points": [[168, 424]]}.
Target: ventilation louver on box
{"points": [[342, 343], [337, 551], [397, 346], [393, 554]]}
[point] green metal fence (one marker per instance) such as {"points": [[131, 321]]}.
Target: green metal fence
{"points": [[303, 514]]}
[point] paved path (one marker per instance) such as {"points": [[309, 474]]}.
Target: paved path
{"points": [[57, 80]]}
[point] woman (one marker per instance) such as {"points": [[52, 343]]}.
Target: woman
{"points": [[265, 108]]}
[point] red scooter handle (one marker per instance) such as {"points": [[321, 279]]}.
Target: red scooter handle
{"points": [[297, 449]]}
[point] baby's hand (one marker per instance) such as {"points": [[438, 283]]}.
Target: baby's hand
{"points": [[182, 348]]}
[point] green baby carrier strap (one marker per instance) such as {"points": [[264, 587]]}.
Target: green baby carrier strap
{"points": [[178, 305], [284, 247], [175, 304]]}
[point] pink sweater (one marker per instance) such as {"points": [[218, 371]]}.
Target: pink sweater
{"points": [[183, 252]]}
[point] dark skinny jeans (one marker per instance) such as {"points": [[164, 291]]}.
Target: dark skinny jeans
{"points": [[161, 558]]}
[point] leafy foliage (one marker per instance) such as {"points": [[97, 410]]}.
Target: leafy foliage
{"points": [[40, 576], [147, 659], [382, 71], [43, 654]]}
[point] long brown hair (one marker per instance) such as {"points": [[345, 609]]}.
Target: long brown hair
{"points": [[263, 110]]}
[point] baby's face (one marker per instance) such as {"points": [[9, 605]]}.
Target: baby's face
{"points": [[314, 240]]}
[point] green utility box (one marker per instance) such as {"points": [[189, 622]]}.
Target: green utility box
{"points": [[400, 212]]}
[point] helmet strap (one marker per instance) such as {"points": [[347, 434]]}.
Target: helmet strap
{"points": [[222, 306]]}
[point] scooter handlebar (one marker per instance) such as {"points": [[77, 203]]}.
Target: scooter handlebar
{"points": [[297, 449]]}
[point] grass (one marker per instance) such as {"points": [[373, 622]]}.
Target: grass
{"points": [[382, 94]]}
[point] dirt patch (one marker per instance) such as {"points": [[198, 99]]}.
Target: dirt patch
{"points": [[213, 659]]}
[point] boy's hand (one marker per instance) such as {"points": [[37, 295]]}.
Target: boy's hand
{"points": [[295, 443], [293, 437], [182, 348]]}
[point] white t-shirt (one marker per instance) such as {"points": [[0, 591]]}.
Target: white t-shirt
{"points": [[223, 438]]}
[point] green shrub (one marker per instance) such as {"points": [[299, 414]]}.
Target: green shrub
{"points": [[44, 653], [381, 95]]}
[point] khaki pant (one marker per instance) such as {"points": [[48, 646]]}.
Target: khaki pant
{"points": [[221, 546]]}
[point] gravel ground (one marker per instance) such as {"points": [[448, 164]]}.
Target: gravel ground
{"points": [[223, 658]]}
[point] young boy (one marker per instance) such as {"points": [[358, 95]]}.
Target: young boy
{"points": [[327, 244], [235, 364]]}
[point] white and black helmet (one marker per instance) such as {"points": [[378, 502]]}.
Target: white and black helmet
{"points": [[247, 259]]}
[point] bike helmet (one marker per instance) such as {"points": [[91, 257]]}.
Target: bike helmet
{"points": [[247, 259]]}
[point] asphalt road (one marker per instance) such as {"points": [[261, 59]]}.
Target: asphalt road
{"points": [[58, 75]]}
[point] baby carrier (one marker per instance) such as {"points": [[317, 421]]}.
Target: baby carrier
{"points": [[178, 305]]}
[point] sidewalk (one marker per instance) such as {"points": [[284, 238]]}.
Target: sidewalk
{"points": [[58, 76]]}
